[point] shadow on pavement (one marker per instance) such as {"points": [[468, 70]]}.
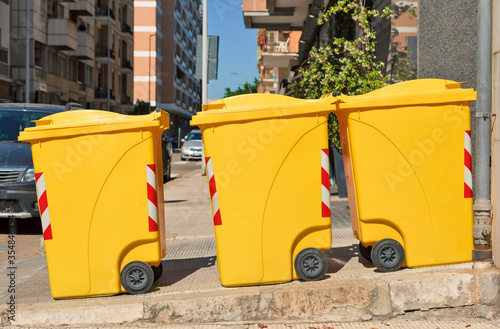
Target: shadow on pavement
{"points": [[339, 257], [175, 201], [177, 269]]}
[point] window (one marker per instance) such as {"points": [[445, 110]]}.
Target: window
{"points": [[412, 50], [52, 56], [43, 8], [4, 55], [72, 69], [89, 75], [63, 66]]}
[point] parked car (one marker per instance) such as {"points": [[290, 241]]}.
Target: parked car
{"points": [[193, 145], [17, 175], [167, 151]]}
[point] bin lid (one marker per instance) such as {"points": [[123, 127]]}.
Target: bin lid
{"points": [[408, 93], [82, 122], [261, 106], [252, 107]]}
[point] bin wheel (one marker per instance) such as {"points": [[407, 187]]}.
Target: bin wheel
{"points": [[157, 271], [137, 277], [388, 255], [365, 252], [311, 264]]}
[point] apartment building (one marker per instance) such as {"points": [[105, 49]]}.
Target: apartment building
{"points": [[296, 22], [166, 58], [68, 57], [5, 80], [114, 46], [277, 53]]}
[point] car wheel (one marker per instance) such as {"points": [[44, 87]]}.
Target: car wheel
{"points": [[311, 264], [166, 172], [137, 277], [388, 255]]}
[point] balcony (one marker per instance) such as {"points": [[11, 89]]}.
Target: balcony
{"points": [[269, 15], [61, 33], [127, 67], [278, 54], [127, 29], [103, 93], [102, 11], [82, 8], [40, 73], [85, 44], [101, 52]]}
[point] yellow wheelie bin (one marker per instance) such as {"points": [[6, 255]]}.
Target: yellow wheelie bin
{"points": [[100, 194], [407, 157], [268, 176]]}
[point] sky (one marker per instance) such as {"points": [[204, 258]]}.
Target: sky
{"points": [[237, 47]]}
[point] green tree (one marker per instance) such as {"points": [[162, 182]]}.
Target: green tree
{"points": [[243, 90], [346, 63]]}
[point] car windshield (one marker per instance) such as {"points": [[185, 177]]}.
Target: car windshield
{"points": [[12, 122], [194, 136]]}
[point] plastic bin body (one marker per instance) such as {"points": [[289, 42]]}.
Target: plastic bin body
{"points": [[264, 167], [95, 175], [407, 174]]}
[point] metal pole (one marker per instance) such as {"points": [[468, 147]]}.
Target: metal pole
{"points": [[482, 196], [244, 77], [27, 85], [109, 62], [204, 68], [149, 90]]}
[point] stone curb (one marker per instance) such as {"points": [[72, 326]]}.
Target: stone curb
{"points": [[340, 300]]}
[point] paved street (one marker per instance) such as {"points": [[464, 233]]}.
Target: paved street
{"points": [[395, 324]]}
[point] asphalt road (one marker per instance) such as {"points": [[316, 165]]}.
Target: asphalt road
{"points": [[29, 231], [181, 168]]}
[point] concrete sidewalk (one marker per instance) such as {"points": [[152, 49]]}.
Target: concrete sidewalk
{"points": [[189, 290]]}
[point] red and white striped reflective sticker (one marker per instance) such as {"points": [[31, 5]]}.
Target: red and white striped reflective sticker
{"points": [[467, 165], [152, 203], [213, 192], [325, 184], [43, 206]]}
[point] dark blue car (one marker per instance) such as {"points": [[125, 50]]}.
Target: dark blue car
{"points": [[17, 176]]}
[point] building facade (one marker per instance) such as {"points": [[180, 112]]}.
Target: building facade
{"points": [[114, 46], [5, 80], [68, 52], [294, 24], [277, 54], [166, 58]]}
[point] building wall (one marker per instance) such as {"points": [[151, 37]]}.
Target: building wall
{"points": [[168, 91], [147, 51], [4, 51], [182, 25], [448, 40]]}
